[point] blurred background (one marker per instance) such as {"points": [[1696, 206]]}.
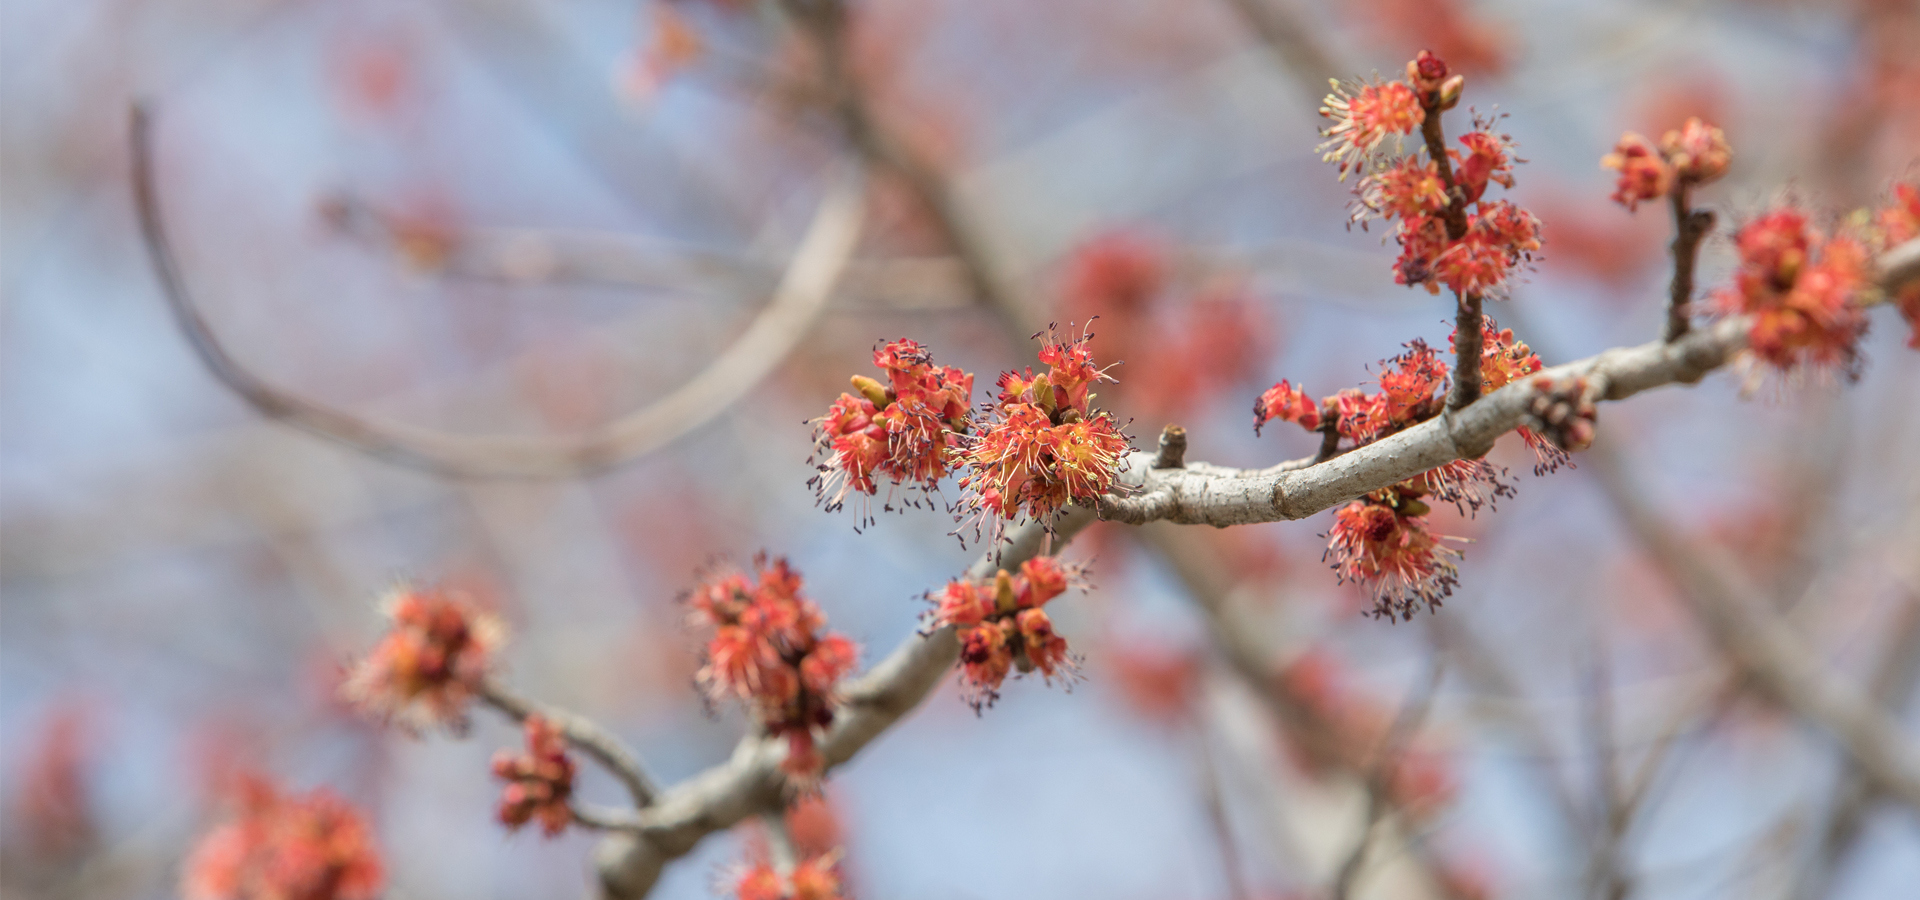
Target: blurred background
{"points": [[534, 218]]}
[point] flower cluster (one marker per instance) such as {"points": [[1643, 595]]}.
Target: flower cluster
{"points": [[430, 664], [813, 878], [1898, 223], [1800, 288], [281, 847], [905, 429], [1503, 360], [1043, 445], [1449, 232], [1382, 542], [1412, 390], [539, 781], [769, 651], [1001, 626], [1693, 154]]}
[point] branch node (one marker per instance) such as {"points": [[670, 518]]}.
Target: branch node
{"points": [[1173, 448]]}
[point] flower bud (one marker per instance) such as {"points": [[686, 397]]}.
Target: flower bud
{"points": [[1450, 91], [873, 390]]}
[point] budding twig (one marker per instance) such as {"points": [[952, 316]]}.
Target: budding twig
{"points": [[583, 733], [1690, 227], [1173, 448]]}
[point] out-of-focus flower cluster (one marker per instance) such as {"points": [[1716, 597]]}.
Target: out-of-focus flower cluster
{"points": [[1450, 233], [1002, 627], [1043, 445], [1894, 225], [1380, 541], [1800, 287], [539, 781], [769, 649], [1693, 154], [1339, 724], [813, 878], [905, 430], [1182, 346], [286, 847], [429, 665]]}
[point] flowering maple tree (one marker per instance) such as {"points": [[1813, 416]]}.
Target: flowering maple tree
{"points": [[1043, 458]]}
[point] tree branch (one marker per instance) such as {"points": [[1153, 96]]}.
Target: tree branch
{"points": [[583, 733], [1763, 646], [1690, 226], [802, 294], [750, 782]]}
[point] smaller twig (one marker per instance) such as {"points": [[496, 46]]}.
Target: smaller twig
{"points": [[1329, 442], [1690, 226], [1217, 815], [605, 818], [1468, 343], [581, 732], [1413, 711], [1173, 448], [780, 847]]}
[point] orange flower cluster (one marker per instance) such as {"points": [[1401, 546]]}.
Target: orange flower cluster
{"points": [[1693, 154], [429, 666], [1364, 115], [539, 781], [1002, 626], [1382, 543], [1044, 445], [769, 651], [905, 429], [813, 878], [280, 847], [1800, 288], [1498, 236]]}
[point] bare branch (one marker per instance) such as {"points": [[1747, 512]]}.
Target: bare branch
{"points": [[1690, 227], [802, 294], [1763, 646], [750, 782], [583, 733], [1413, 711]]}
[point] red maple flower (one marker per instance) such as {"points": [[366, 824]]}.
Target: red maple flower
{"points": [[1382, 543], [1489, 158], [1697, 151], [1044, 445], [1644, 172], [1288, 403], [282, 847], [1799, 287], [769, 650], [906, 429], [1001, 626], [429, 666], [813, 878], [539, 781], [1406, 188], [1500, 236], [1364, 115]]}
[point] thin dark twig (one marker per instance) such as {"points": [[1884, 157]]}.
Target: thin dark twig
{"points": [[1690, 227], [1413, 712], [583, 733], [798, 300]]}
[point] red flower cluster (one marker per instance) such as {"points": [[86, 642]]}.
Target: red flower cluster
{"points": [[1799, 286], [310, 847], [1898, 223], [1694, 154], [1044, 445], [1497, 236], [429, 665], [1382, 543], [1002, 626], [1412, 389], [814, 878], [905, 429], [769, 652], [1364, 114], [1503, 360], [539, 781]]}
